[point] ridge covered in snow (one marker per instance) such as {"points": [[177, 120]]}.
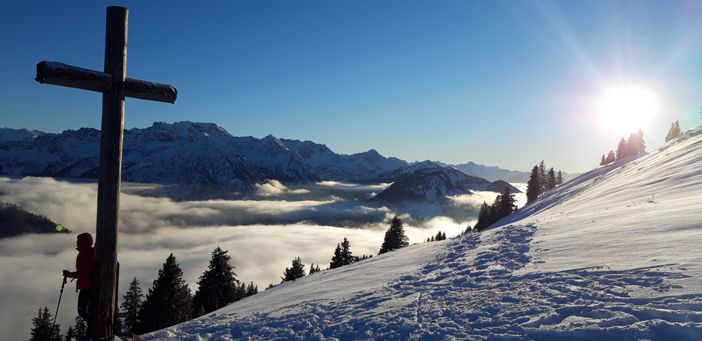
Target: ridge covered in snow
{"points": [[611, 254], [201, 157]]}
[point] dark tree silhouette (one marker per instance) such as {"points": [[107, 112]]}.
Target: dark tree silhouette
{"points": [[251, 289], [533, 189], [395, 237], [131, 304], [218, 285], [168, 301], [43, 328], [551, 180], [80, 328], [297, 270], [70, 334], [503, 206], [542, 176]]}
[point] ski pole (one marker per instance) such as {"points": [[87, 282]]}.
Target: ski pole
{"points": [[59, 301]]}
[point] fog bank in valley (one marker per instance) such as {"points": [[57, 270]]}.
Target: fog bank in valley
{"points": [[262, 234]]}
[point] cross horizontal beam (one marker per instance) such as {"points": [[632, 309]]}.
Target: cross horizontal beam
{"points": [[78, 77]]}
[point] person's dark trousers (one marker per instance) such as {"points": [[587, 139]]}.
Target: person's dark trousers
{"points": [[85, 310]]}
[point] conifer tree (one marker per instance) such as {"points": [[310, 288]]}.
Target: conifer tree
{"points": [[542, 177], [297, 270], [346, 255], [610, 157], [131, 304], [117, 326], [80, 328], [551, 180], [622, 150], [484, 216], [674, 132], [43, 328], [602, 161], [533, 187], [395, 237], [252, 289], [168, 301], [636, 143], [240, 292], [559, 178], [313, 269], [218, 285], [506, 204], [336, 260], [70, 334]]}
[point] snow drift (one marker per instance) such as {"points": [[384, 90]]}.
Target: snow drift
{"points": [[614, 253]]}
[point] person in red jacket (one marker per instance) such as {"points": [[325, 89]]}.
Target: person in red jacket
{"points": [[84, 268]]}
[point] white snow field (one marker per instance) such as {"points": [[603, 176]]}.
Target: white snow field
{"points": [[613, 254]]}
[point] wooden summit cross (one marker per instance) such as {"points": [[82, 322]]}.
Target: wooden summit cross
{"points": [[114, 86]]}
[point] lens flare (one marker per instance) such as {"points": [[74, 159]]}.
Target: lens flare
{"points": [[625, 109]]}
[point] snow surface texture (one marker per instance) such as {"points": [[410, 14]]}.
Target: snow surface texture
{"points": [[612, 254]]}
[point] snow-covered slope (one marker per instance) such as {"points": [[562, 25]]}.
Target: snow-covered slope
{"points": [[612, 254]]}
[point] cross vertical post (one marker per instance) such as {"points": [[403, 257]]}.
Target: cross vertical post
{"points": [[114, 85], [111, 138]]}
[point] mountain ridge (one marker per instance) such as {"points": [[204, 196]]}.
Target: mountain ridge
{"points": [[169, 153]]}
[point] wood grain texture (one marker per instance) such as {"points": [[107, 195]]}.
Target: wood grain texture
{"points": [[77, 77]]}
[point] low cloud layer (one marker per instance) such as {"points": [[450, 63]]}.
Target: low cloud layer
{"points": [[478, 197], [274, 188], [262, 236]]}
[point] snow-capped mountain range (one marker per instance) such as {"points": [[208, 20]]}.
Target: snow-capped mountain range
{"points": [[198, 154]]}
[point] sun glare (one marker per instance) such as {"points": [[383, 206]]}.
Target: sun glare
{"points": [[624, 109]]}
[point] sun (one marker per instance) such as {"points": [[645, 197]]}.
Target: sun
{"points": [[624, 109]]}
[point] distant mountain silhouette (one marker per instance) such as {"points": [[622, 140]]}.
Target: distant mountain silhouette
{"points": [[15, 221]]}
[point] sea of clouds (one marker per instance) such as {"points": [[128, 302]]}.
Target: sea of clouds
{"points": [[262, 234]]}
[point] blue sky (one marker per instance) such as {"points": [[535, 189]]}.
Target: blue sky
{"points": [[504, 83]]}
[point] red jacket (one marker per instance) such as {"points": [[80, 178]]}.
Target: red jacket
{"points": [[84, 261]]}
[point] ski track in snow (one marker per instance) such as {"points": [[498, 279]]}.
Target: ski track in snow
{"points": [[471, 293]]}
